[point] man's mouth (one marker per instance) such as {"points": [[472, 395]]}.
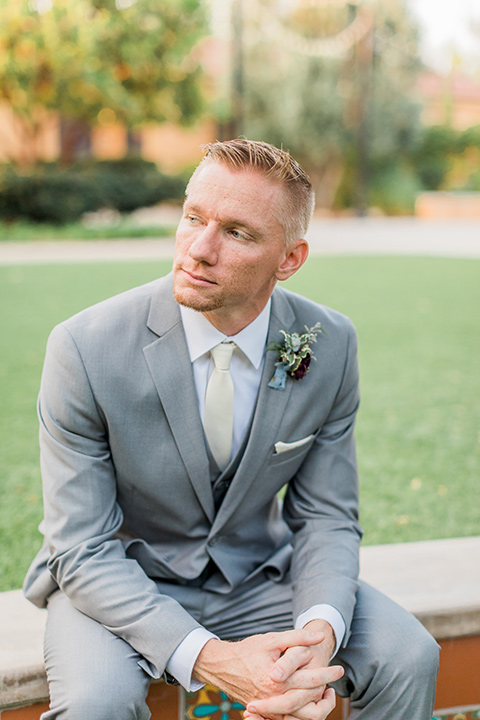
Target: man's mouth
{"points": [[198, 280]]}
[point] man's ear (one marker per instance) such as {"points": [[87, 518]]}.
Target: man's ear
{"points": [[295, 256]]}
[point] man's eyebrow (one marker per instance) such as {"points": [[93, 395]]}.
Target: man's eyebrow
{"points": [[242, 225], [228, 222]]}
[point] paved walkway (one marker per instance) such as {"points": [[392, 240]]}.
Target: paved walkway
{"points": [[352, 236]]}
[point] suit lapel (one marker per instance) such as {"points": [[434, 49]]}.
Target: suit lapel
{"points": [[169, 364], [270, 408]]}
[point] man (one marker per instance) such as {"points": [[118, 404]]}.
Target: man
{"points": [[165, 540]]}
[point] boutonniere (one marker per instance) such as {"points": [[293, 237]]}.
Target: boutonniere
{"points": [[294, 355]]}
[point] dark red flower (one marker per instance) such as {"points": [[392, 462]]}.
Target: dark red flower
{"points": [[302, 369]]}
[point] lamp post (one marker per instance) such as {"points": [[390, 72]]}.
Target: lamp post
{"points": [[365, 82], [237, 72]]}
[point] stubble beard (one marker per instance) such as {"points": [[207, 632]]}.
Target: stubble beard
{"points": [[200, 304]]}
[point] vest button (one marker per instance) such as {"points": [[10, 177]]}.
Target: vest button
{"points": [[213, 540]]}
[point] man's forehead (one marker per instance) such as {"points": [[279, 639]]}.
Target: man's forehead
{"points": [[241, 196], [234, 184], [210, 169]]}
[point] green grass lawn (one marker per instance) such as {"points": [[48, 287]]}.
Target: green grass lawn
{"points": [[419, 424]]}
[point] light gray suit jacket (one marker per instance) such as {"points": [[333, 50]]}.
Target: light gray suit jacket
{"points": [[127, 487]]}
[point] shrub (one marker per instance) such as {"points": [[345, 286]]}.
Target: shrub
{"points": [[432, 157], [57, 195], [469, 138], [392, 185], [394, 189], [131, 183]]}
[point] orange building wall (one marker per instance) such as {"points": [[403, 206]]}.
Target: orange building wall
{"points": [[449, 100], [460, 114], [173, 147], [16, 145], [110, 142]]}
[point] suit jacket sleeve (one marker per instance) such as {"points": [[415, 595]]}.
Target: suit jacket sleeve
{"points": [[321, 506], [82, 515]]}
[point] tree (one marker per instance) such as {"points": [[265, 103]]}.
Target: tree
{"points": [[130, 58], [334, 103]]}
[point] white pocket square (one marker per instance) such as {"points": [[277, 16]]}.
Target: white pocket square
{"points": [[281, 447]]}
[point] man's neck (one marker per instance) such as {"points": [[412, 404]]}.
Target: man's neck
{"points": [[229, 324], [201, 335]]}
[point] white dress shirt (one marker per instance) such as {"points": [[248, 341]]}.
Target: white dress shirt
{"points": [[246, 370]]}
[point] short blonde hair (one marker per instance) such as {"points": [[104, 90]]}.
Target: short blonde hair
{"points": [[279, 167]]}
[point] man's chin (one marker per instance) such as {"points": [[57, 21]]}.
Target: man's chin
{"points": [[194, 301]]}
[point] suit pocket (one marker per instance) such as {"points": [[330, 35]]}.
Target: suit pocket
{"points": [[283, 447], [291, 455]]}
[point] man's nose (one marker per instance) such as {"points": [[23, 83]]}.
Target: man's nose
{"points": [[205, 246]]}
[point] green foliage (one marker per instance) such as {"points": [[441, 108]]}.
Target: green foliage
{"points": [[45, 196], [58, 195], [81, 57], [131, 183], [439, 149], [432, 156], [393, 185], [427, 163], [394, 188], [330, 112], [469, 138], [473, 183], [291, 107], [419, 343]]}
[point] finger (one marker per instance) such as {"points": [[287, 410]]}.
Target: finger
{"points": [[316, 711], [286, 703], [250, 716], [292, 638], [298, 703], [308, 678], [292, 659]]}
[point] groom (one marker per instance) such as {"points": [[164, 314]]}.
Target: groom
{"points": [[170, 418]]}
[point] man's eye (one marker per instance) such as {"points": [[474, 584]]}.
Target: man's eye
{"points": [[237, 235], [192, 219]]}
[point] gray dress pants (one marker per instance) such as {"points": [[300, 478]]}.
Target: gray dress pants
{"points": [[390, 660]]}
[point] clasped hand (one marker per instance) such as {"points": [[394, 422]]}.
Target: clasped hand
{"points": [[277, 676]]}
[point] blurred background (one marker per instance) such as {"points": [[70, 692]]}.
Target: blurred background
{"points": [[105, 103]]}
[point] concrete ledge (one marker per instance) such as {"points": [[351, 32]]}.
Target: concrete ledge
{"points": [[22, 674], [438, 580]]}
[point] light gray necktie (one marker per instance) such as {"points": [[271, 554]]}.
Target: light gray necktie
{"points": [[218, 417]]}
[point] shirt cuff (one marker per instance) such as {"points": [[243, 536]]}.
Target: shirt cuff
{"points": [[182, 660], [330, 615]]}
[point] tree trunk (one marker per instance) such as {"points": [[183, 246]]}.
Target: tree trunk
{"points": [[75, 140], [326, 181]]}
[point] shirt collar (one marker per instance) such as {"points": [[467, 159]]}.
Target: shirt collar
{"points": [[202, 336]]}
